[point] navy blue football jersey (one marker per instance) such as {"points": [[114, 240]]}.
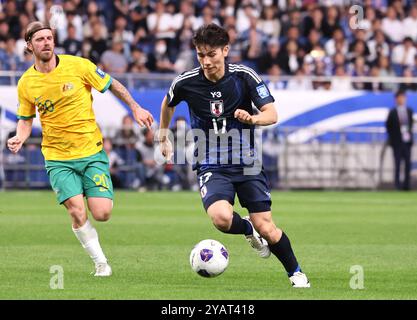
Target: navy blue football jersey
{"points": [[221, 141]]}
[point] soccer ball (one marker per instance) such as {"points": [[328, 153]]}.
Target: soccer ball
{"points": [[209, 258]]}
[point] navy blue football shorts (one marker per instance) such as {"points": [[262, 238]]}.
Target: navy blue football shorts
{"points": [[253, 191]]}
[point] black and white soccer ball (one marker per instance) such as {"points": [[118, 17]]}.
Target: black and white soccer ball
{"points": [[209, 258]]}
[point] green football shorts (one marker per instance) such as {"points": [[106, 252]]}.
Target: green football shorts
{"points": [[89, 176]]}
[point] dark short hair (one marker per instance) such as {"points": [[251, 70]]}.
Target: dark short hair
{"points": [[400, 92], [34, 27], [211, 35]]}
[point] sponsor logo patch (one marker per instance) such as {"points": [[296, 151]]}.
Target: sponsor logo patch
{"points": [[100, 72], [262, 91]]}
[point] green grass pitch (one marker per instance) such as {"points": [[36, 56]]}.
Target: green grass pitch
{"points": [[150, 236]]}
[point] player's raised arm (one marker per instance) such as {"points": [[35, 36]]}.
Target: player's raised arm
{"points": [[142, 116], [23, 130], [267, 116], [165, 119]]}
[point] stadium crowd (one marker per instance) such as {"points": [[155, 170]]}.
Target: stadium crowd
{"points": [[274, 37]]}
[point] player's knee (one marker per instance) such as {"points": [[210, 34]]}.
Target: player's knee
{"points": [[222, 221], [78, 215], [102, 214]]}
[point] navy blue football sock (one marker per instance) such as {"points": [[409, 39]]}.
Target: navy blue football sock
{"points": [[283, 251], [239, 225]]}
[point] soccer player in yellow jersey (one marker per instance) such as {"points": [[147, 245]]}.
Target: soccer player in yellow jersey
{"points": [[59, 87]]}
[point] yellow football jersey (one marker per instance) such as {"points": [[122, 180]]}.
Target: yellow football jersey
{"points": [[64, 101]]}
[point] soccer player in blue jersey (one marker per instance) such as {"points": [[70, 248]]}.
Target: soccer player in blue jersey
{"points": [[220, 97]]}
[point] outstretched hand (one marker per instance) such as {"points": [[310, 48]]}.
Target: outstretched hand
{"points": [[143, 117]]}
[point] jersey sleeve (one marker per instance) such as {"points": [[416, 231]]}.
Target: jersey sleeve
{"points": [[96, 77], [174, 94], [25, 108], [258, 90]]}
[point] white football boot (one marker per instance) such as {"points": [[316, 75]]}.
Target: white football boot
{"points": [[299, 280], [103, 270], [258, 243]]}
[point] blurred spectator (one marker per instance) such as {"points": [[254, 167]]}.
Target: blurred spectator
{"points": [[378, 46], [385, 70], [410, 24], [71, 45], [407, 84], [339, 60], [4, 33], [403, 55], [141, 10], [8, 57], [26, 63], [96, 45], [139, 61], [374, 85], [299, 81], [271, 56], [161, 27], [392, 27], [330, 22], [160, 61], [338, 40], [29, 10], [313, 20], [289, 61], [269, 23], [179, 179], [127, 134], [341, 82], [235, 46], [253, 44], [185, 58], [359, 69], [12, 18], [313, 39], [122, 33], [244, 15], [228, 9], [275, 82], [293, 19], [154, 172], [206, 17], [113, 60], [115, 161]]}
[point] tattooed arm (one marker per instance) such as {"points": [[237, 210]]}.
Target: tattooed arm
{"points": [[141, 115]]}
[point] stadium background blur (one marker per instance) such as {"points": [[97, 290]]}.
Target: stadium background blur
{"points": [[297, 46]]}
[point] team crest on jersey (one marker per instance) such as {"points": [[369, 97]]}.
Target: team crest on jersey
{"points": [[67, 87], [100, 72], [216, 107], [262, 91]]}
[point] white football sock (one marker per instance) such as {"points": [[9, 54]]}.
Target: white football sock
{"points": [[88, 237]]}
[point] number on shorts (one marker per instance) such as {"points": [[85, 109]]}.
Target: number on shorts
{"points": [[101, 180], [204, 178]]}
